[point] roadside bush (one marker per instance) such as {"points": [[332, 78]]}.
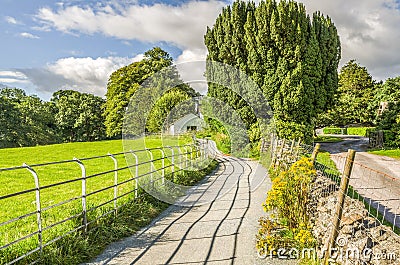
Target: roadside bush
{"points": [[389, 122], [361, 131], [287, 201], [334, 130], [290, 191]]}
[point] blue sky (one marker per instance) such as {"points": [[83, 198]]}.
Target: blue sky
{"points": [[51, 45]]}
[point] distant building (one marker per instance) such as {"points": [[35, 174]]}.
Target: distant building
{"points": [[190, 122]]}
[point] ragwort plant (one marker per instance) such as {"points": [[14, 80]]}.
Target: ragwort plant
{"points": [[288, 225]]}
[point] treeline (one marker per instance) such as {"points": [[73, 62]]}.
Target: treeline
{"points": [[72, 116], [359, 98], [69, 116]]}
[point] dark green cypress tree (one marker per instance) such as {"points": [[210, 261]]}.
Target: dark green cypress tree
{"points": [[292, 57]]}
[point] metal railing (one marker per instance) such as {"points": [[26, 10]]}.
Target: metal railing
{"points": [[65, 198]]}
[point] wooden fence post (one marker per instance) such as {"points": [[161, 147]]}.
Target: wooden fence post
{"points": [[274, 148], [279, 155], [344, 184], [315, 152], [292, 146], [297, 149]]}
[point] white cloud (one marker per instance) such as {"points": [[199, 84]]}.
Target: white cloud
{"points": [[12, 20], [13, 81], [83, 74], [192, 73], [190, 55], [368, 30], [28, 35], [182, 25], [13, 78], [12, 74]]}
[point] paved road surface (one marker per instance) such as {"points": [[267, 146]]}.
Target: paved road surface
{"points": [[218, 228], [375, 177]]}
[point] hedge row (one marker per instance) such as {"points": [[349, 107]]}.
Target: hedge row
{"points": [[334, 130], [361, 131]]}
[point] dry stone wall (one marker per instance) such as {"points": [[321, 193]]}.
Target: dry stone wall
{"points": [[362, 239]]}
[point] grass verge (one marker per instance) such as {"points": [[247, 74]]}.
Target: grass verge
{"points": [[394, 153], [136, 214]]}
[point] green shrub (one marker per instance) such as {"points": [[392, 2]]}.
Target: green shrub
{"points": [[288, 198], [334, 130], [389, 122], [361, 131]]}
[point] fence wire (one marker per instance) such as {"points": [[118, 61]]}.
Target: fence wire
{"points": [[368, 218]]}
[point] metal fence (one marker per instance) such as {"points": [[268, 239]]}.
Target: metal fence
{"points": [[44, 203], [355, 208], [360, 213]]}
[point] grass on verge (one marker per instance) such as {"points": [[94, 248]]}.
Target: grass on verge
{"points": [[136, 214], [394, 153]]}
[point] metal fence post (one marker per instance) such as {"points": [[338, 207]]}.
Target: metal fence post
{"points": [[172, 162], [84, 202], [136, 172], [180, 157], [205, 146], [344, 184], [191, 156], [163, 166], [115, 181], [38, 205], [206, 149], [151, 165]]}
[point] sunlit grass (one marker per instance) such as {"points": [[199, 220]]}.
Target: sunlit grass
{"points": [[21, 179], [395, 153]]}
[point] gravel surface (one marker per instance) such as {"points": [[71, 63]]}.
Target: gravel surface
{"points": [[218, 228]]}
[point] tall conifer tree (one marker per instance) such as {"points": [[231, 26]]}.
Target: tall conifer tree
{"points": [[293, 57]]}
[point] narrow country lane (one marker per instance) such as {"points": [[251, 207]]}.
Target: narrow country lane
{"points": [[376, 178], [220, 229]]}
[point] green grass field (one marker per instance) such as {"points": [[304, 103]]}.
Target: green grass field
{"points": [[395, 153], [53, 218]]}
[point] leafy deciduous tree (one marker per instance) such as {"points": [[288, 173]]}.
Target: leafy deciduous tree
{"points": [[79, 115], [354, 97]]}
